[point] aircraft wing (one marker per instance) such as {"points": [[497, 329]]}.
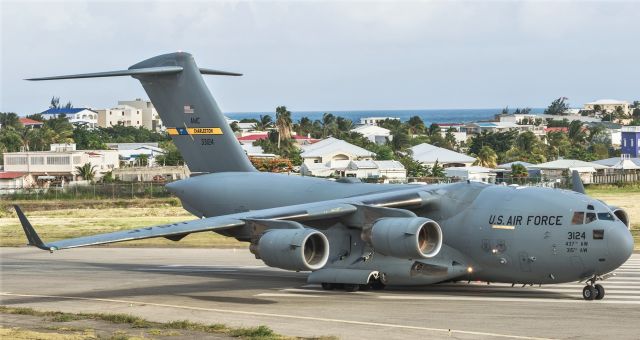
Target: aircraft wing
{"points": [[175, 231]]}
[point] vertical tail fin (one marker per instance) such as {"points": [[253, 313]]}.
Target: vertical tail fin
{"points": [[193, 119]]}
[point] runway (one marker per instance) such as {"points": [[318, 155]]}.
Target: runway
{"points": [[230, 286]]}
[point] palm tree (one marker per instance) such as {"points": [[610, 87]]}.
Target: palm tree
{"points": [[305, 126], [487, 157], [328, 124], [263, 123], [87, 171], [415, 125], [283, 123], [437, 170]]}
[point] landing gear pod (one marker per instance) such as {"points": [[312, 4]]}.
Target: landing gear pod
{"points": [[406, 237], [294, 249]]}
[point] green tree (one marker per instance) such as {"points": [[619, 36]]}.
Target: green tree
{"points": [[577, 134], [87, 171], [283, 123], [415, 125], [171, 157], [328, 124], [414, 168], [437, 170], [487, 157], [305, 126], [558, 107], [10, 120], [263, 123]]}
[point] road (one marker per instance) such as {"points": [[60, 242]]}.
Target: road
{"points": [[230, 286]]}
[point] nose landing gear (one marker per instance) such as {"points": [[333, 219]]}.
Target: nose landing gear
{"points": [[593, 291]]}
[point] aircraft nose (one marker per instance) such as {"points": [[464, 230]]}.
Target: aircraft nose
{"points": [[620, 242]]}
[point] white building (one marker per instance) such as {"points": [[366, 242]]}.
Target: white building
{"points": [[428, 154], [563, 167], [60, 166], [333, 149], [150, 117], [472, 173], [10, 181], [131, 152], [375, 120], [120, 115], [76, 116], [477, 128], [608, 105], [374, 133]]}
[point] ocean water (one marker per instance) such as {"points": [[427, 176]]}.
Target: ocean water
{"points": [[429, 116]]}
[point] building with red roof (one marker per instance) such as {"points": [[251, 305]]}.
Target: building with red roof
{"points": [[30, 123]]}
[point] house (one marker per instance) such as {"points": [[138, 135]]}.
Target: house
{"points": [[471, 173], [124, 115], [150, 117], [391, 169], [12, 180], [159, 174], [255, 136], [30, 123], [610, 162], [375, 120], [608, 105], [477, 128], [59, 166], [255, 151], [561, 168], [630, 136], [333, 149], [76, 116], [374, 133], [428, 154], [131, 152]]}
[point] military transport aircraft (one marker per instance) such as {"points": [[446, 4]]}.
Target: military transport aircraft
{"points": [[353, 235]]}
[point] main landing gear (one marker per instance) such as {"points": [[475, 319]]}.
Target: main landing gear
{"points": [[375, 284], [593, 291]]}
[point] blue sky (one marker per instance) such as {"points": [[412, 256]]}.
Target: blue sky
{"points": [[328, 55]]}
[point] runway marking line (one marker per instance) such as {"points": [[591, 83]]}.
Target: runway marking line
{"points": [[285, 316]]}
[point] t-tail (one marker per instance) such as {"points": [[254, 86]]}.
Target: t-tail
{"points": [[175, 86]]}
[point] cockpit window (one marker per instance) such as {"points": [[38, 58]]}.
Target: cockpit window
{"points": [[578, 218], [590, 218], [606, 216]]}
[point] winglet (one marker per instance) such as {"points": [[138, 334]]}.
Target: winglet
{"points": [[32, 236], [576, 182]]}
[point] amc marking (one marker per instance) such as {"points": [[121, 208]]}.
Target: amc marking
{"points": [[194, 131]]}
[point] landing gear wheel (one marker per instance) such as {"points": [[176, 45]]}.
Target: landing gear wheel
{"points": [[599, 292], [327, 286], [589, 293], [366, 287], [348, 287], [377, 285]]}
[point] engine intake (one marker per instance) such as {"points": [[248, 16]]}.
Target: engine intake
{"points": [[406, 237], [294, 249]]}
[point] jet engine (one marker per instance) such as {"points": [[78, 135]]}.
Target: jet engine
{"points": [[622, 215], [406, 237], [293, 249]]}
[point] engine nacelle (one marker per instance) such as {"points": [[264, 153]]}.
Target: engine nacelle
{"points": [[406, 237], [294, 249], [622, 215]]}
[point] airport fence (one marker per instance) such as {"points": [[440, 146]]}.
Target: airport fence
{"points": [[130, 190]]}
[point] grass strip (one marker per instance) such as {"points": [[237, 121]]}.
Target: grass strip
{"points": [[257, 333]]}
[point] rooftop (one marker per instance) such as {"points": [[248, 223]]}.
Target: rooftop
{"points": [[11, 174], [607, 102], [63, 110], [333, 145], [427, 153], [567, 164], [28, 121]]}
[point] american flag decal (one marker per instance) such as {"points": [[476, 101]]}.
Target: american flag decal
{"points": [[188, 109]]}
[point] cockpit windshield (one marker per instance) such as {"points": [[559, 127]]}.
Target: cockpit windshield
{"points": [[580, 217]]}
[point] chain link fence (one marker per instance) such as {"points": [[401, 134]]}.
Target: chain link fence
{"points": [[91, 191]]}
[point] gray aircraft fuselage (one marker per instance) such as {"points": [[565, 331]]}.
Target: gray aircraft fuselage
{"points": [[501, 234]]}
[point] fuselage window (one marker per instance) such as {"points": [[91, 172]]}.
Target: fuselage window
{"points": [[590, 218], [606, 216], [598, 234], [578, 218]]}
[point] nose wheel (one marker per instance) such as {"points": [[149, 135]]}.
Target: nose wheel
{"points": [[593, 291]]}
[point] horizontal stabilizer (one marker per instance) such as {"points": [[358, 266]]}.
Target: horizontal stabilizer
{"points": [[129, 72], [137, 72], [218, 73]]}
